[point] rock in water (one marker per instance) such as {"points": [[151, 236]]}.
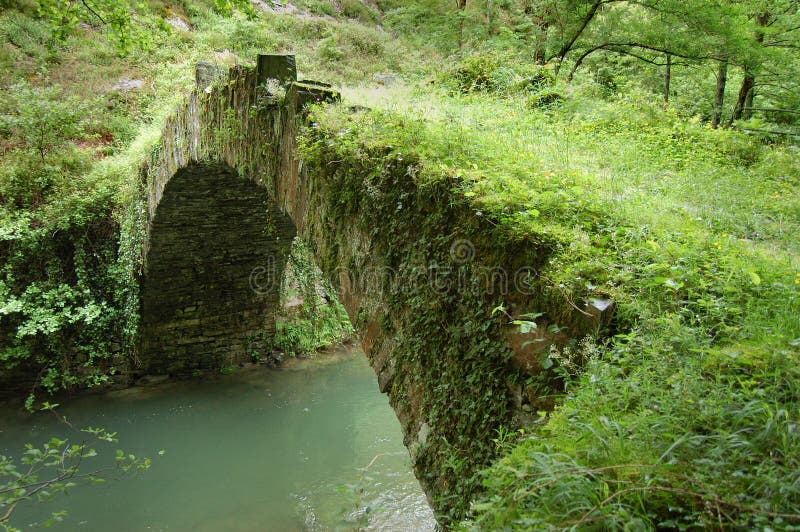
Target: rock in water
{"points": [[150, 380]]}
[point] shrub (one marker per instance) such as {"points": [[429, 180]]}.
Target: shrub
{"points": [[355, 9], [26, 34], [545, 98], [320, 8], [329, 50], [475, 73], [40, 118], [502, 74]]}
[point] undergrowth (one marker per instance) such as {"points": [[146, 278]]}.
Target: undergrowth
{"points": [[312, 317]]}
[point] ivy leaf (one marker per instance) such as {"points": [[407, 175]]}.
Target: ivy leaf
{"points": [[525, 326]]}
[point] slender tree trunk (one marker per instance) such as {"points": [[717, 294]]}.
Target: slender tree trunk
{"points": [[719, 98], [462, 5], [667, 77], [745, 93], [748, 103], [490, 17], [540, 41]]}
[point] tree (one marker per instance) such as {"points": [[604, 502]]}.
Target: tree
{"points": [[774, 49], [758, 36], [56, 466], [719, 95], [128, 23]]}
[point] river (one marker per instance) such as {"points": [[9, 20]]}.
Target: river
{"points": [[263, 449]]}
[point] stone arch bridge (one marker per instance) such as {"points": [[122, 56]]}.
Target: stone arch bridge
{"points": [[225, 195]]}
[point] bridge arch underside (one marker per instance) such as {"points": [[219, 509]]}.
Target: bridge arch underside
{"points": [[216, 251]]}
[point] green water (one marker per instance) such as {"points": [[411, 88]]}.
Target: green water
{"points": [[258, 450]]}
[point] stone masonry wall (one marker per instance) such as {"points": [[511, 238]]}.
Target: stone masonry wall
{"points": [[213, 233]]}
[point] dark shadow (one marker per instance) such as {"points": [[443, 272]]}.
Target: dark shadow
{"points": [[213, 270]]}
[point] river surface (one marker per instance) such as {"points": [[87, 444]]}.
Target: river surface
{"points": [[305, 447]]}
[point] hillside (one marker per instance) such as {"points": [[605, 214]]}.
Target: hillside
{"points": [[547, 119]]}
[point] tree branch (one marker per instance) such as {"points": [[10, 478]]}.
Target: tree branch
{"points": [[774, 109], [92, 11], [611, 46], [562, 53]]}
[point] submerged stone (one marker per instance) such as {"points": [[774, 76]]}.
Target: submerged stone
{"points": [[151, 380]]}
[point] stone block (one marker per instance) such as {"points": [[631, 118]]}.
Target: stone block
{"points": [[280, 67], [307, 94]]}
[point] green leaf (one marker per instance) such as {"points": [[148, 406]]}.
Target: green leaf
{"points": [[525, 326]]}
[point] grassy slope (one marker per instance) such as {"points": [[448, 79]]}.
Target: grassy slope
{"points": [[693, 232]]}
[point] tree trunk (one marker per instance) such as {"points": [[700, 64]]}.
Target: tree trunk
{"points": [[540, 46], [462, 5], [745, 93], [542, 24], [748, 104], [667, 77], [719, 98], [491, 17]]}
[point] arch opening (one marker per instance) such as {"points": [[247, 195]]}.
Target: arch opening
{"points": [[213, 270]]}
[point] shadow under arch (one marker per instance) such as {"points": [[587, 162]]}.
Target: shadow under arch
{"points": [[217, 247]]}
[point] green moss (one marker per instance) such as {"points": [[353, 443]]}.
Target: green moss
{"points": [[445, 344]]}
